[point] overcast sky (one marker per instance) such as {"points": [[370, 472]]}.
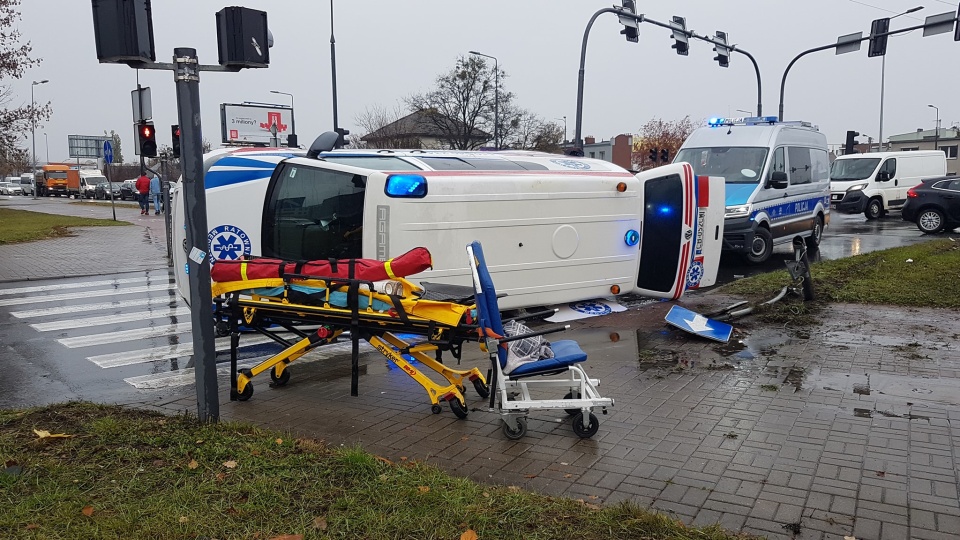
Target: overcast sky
{"points": [[389, 49]]}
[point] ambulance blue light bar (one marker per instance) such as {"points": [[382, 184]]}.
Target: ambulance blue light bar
{"points": [[406, 186], [742, 121]]}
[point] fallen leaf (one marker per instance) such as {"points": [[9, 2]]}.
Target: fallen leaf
{"points": [[403, 458], [279, 441], [485, 494], [232, 511], [43, 434], [87, 511], [320, 522], [568, 476], [32, 526], [424, 489], [221, 476], [184, 519], [158, 463], [465, 438], [254, 452], [199, 441], [193, 464], [849, 538], [468, 534], [881, 474], [529, 476], [287, 537], [383, 459], [592, 506], [513, 488], [230, 464]]}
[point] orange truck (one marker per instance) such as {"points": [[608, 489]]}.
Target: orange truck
{"points": [[58, 180]]}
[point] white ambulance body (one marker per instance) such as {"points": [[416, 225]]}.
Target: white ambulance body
{"points": [[555, 229]]}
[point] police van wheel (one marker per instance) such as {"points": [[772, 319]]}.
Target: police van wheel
{"points": [[761, 247], [816, 234], [874, 209]]}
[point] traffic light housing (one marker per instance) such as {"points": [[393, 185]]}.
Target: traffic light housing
{"points": [[654, 155], [664, 155], [878, 44], [631, 28], [722, 50], [848, 147], [175, 140], [682, 44], [147, 139]]}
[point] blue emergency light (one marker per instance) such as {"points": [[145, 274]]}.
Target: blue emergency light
{"points": [[407, 186], [745, 121]]}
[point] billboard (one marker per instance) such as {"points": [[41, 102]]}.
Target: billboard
{"points": [[250, 124], [86, 146]]}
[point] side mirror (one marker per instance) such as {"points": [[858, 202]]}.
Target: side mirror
{"points": [[778, 180], [883, 176]]}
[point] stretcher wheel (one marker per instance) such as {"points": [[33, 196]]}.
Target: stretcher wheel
{"points": [[247, 392], [585, 432], [514, 434], [283, 379], [436, 409], [482, 389], [458, 408], [569, 395], [222, 329]]}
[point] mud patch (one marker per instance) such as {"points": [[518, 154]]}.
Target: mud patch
{"points": [[795, 378]]}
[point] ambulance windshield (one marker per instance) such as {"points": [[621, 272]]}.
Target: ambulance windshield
{"points": [[737, 165]]}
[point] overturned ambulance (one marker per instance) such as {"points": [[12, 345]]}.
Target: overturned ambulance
{"points": [[556, 229]]}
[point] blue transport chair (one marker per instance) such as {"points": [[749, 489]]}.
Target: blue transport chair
{"points": [[510, 394]]}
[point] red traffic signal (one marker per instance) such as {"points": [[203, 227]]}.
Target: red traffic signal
{"points": [[147, 140]]}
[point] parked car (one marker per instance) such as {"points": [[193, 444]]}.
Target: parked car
{"points": [[128, 190], [9, 188], [26, 182], [102, 191], [934, 205]]}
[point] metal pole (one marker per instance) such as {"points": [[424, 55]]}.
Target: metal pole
{"points": [[187, 76], [883, 71], [577, 139], [496, 103], [33, 135], [333, 68]]}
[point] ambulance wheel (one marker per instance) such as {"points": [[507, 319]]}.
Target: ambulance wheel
{"points": [[816, 234], [588, 431], [874, 208], [247, 392], [283, 379], [569, 395], [482, 389], [458, 408], [761, 247], [436, 409], [515, 434]]}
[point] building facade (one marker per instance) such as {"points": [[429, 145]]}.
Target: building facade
{"points": [[947, 140]]}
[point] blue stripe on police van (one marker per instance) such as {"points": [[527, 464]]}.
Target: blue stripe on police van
{"points": [[738, 194], [269, 163], [215, 179], [793, 208]]}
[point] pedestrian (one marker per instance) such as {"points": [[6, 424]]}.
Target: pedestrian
{"points": [[143, 191], [155, 193]]}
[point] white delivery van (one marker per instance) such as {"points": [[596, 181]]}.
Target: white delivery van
{"points": [[89, 178], [878, 182], [28, 184], [776, 176], [555, 228]]}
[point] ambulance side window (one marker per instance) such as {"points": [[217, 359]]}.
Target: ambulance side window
{"points": [[313, 213]]}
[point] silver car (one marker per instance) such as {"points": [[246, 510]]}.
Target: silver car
{"points": [[9, 188]]}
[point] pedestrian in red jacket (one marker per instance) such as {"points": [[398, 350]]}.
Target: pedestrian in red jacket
{"points": [[143, 191]]}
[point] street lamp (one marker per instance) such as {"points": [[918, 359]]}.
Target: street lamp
{"points": [[936, 136], [564, 127], [496, 98], [883, 70], [743, 111], [293, 121], [33, 132], [46, 145]]}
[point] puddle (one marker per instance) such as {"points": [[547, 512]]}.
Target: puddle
{"points": [[897, 389], [795, 378]]}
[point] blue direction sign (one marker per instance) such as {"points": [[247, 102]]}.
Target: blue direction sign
{"points": [[107, 152], [695, 323]]}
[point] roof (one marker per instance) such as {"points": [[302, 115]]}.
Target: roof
{"points": [[926, 135], [419, 124]]}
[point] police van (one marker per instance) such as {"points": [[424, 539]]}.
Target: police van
{"points": [[777, 177], [555, 228]]}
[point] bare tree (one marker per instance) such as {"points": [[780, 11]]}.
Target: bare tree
{"points": [[659, 134], [115, 142], [15, 121], [383, 123]]}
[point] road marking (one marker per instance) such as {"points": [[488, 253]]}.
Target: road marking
{"points": [[109, 319], [167, 352], [74, 286], [126, 335], [85, 294], [79, 308]]}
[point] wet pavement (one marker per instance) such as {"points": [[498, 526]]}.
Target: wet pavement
{"points": [[844, 428]]}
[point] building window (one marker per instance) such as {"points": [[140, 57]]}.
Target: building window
{"points": [[593, 155], [950, 151], [910, 149], [603, 155]]}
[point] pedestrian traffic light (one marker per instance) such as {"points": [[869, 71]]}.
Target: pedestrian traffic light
{"points": [[175, 146], [653, 155], [849, 146], [679, 25], [722, 49], [147, 138], [664, 155], [878, 43], [631, 28]]}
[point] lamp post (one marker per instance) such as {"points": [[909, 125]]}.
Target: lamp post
{"points": [[46, 146], [33, 133], [883, 70], [936, 135], [293, 121], [744, 111], [496, 98], [564, 127]]}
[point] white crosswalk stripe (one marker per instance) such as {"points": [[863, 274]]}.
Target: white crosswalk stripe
{"points": [[85, 294], [110, 319], [72, 286]]}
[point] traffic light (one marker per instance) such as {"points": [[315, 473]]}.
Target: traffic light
{"points": [[664, 155], [653, 155], [679, 25], [848, 147], [722, 50], [147, 138], [631, 28], [175, 146], [878, 44]]}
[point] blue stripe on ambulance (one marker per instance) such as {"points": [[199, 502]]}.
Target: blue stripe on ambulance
{"points": [[214, 179], [268, 162]]}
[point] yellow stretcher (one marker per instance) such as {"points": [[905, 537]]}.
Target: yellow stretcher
{"points": [[320, 310]]}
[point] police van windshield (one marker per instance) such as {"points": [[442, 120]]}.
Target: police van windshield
{"points": [[737, 165], [853, 169]]}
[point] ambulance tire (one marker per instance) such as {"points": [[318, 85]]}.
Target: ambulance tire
{"points": [[761, 247]]}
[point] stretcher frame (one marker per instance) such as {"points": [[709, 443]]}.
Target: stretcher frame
{"points": [[238, 304]]}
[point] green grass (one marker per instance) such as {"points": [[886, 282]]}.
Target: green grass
{"points": [[22, 226], [879, 277], [129, 474]]}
